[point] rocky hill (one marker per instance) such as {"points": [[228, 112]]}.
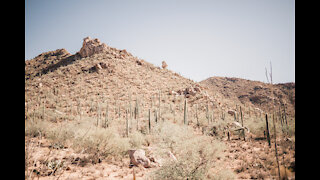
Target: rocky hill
{"points": [[106, 74], [85, 111], [254, 94], [102, 72]]}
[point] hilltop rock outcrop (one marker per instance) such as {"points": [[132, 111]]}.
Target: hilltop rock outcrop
{"points": [[164, 65], [92, 46]]}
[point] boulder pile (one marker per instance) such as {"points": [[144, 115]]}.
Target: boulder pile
{"points": [[92, 46]]}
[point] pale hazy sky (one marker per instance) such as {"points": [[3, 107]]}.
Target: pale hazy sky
{"points": [[197, 38]]}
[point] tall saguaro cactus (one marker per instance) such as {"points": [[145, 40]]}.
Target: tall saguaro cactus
{"points": [[149, 118], [213, 112], [106, 123], [127, 123], [185, 120], [244, 136], [207, 113], [268, 134], [136, 113], [155, 116], [275, 145], [197, 115], [159, 104], [98, 114]]}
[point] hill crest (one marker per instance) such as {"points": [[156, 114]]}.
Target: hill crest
{"points": [[114, 75]]}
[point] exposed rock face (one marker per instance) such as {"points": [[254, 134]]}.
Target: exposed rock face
{"points": [[138, 157], [92, 46]]}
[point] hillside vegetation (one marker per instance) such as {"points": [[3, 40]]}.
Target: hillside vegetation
{"points": [[85, 111]]}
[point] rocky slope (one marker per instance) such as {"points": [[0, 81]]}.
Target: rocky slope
{"points": [[254, 94]]}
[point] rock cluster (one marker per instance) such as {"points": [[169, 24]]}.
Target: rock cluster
{"points": [[189, 91], [99, 67], [92, 46]]}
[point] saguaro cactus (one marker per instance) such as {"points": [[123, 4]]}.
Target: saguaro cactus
{"points": [[275, 145], [98, 114], [159, 105], [106, 123], [207, 113], [185, 120], [127, 123], [243, 131], [197, 115], [156, 116], [213, 113], [149, 118], [43, 110], [268, 134], [136, 113]]}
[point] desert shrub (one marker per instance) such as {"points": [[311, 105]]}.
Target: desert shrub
{"points": [[289, 129], [36, 128], [136, 139], [167, 135], [100, 141], [195, 154], [194, 159], [225, 174], [256, 126], [60, 135]]}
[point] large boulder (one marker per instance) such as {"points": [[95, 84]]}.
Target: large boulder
{"points": [[138, 157], [92, 46]]}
